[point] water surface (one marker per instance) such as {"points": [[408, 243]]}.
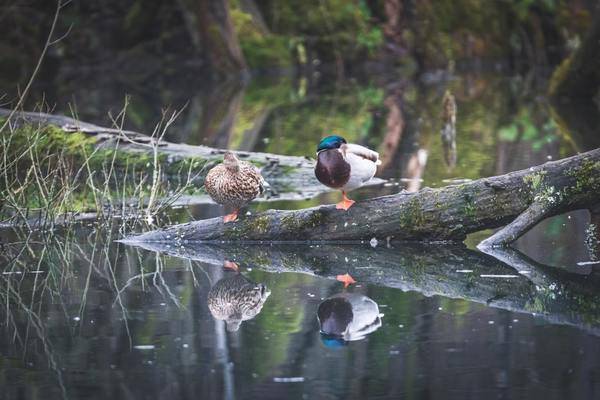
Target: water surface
{"points": [[85, 317]]}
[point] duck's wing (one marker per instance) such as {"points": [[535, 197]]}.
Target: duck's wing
{"points": [[361, 151], [253, 171], [263, 184]]}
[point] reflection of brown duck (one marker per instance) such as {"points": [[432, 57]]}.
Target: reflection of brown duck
{"points": [[235, 299]]}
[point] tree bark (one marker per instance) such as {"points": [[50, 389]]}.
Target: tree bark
{"points": [[448, 131], [392, 28], [444, 214], [394, 128]]}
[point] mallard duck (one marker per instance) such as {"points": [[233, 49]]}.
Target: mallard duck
{"points": [[344, 166], [235, 299], [234, 184], [347, 317]]}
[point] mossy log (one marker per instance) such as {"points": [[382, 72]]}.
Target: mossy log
{"points": [[445, 214], [503, 279], [136, 141], [290, 177]]}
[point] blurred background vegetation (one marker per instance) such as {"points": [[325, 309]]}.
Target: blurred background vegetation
{"points": [[223, 40], [164, 53]]}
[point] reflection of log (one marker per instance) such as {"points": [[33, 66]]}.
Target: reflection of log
{"points": [[451, 271], [448, 213]]}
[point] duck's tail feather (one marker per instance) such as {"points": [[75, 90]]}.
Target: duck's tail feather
{"points": [[361, 151]]}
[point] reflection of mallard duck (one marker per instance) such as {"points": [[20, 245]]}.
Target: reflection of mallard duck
{"points": [[234, 184], [347, 317], [344, 166], [235, 299]]}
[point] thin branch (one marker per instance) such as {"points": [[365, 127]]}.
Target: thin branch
{"points": [[37, 67], [63, 36], [529, 218]]}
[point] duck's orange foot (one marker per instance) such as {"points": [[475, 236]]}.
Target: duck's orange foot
{"points": [[344, 204], [346, 279], [230, 217], [231, 266]]}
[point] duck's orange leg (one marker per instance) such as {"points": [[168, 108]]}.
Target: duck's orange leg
{"points": [[230, 217], [346, 279], [345, 204]]}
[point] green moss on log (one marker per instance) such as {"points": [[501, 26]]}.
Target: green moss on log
{"points": [[587, 176], [293, 224], [412, 214]]}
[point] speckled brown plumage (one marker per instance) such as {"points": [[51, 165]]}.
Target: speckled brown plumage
{"points": [[234, 183], [235, 299]]}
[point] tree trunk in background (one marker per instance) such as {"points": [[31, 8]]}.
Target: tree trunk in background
{"points": [[401, 153], [393, 26], [394, 128], [579, 75], [210, 23]]}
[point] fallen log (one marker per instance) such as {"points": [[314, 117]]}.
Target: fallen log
{"points": [[136, 141], [446, 214], [290, 177]]}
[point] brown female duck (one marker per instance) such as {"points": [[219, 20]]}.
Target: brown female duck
{"points": [[234, 184]]}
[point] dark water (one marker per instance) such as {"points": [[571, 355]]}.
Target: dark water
{"points": [[85, 317], [81, 322]]}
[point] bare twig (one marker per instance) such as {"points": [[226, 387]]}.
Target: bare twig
{"points": [[49, 43]]}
